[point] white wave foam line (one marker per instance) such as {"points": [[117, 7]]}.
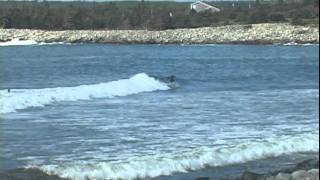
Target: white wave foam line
{"points": [[298, 44], [25, 98], [148, 167], [52, 43], [17, 42]]}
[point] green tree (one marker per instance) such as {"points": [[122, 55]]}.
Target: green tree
{"points": [[277, 17], [280, 2], [258, 2]]}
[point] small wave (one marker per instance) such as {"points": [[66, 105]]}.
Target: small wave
{"points": [[153, 166], [18, 42], [25, 98], [52, 43], [299, 44]]}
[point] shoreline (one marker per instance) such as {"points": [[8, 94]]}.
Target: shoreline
{"points": [[264, 169], [253, 170], [269, 33]]}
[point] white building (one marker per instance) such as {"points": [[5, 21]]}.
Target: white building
{"points": [[200, 6]]}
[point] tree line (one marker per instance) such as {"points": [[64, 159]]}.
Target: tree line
{"points": [[150, 15]]}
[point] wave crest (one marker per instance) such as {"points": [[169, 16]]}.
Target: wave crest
{"points": [[18, 42], [25, 98]]}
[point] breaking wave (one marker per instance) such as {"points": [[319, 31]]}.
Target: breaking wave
{"points": [[299, 44], [166, 164], [18, 42], [25, 98]]}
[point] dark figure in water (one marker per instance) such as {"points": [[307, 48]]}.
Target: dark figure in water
{"points": [[9, 90], [172, 78], [168, 79]]}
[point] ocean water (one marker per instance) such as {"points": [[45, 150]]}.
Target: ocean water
{"points": [[96, 111]]}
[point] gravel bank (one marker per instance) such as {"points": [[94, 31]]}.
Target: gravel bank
{"points": [[233, 34]]}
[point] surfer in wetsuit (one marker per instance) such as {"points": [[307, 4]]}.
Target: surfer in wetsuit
{"points": [[172, 78], [9, 90], [168, 79]]}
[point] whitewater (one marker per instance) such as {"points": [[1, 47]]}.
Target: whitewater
{"points": [[167, 164], [18, 99], [18, 42]]}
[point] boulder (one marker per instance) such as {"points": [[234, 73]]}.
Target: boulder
{"points": [[283, 176], [299, 175], [308, 164], [202, 178], [251, 176]]}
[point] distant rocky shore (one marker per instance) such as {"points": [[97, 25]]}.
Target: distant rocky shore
{"points": [[271, 33]]}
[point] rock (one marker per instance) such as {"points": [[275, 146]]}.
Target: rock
{"points": [[313, 174], [299, 175], [270, 178], [251, 176], [27, 174], [306, 170], [314, 171], [283, 176], [202, 178], [308, 164], [5, 176]]}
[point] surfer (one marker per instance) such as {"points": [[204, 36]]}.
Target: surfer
{"points": [[171, 81], [168, 79], [172, 78], [9, 90]]}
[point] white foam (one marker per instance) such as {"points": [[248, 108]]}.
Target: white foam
{"points": [[17, 42], [53, 43], [25, 98], [166, 164], [291, 44], [298, 44]]}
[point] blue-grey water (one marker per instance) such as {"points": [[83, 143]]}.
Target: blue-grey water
{"points": [[96, 111]]}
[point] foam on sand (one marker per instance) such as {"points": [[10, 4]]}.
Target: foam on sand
{"points": [[25, 98], [166, 164]]}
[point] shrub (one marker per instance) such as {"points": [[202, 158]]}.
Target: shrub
{"points": [[277, 17], [297, 21]]}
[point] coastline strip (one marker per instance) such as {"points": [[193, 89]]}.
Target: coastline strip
{"points": [[268, 33]]}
